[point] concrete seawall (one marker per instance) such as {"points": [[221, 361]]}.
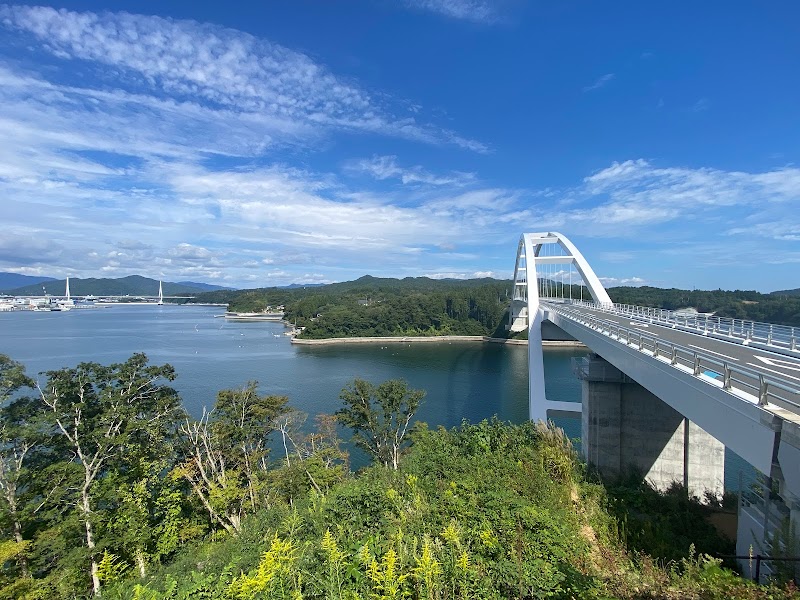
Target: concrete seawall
{"points": [[431, 340]]}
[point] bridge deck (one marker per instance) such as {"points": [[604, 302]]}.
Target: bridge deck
{"points": [[750, 410], [756, 358], [773, 365]]}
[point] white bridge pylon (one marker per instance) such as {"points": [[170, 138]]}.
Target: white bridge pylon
{"points": [[536, 253]]}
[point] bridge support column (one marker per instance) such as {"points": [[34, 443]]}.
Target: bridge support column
{"points": [[626, 428]]}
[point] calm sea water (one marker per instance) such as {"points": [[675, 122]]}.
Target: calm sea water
{"points": [[463, 380]]}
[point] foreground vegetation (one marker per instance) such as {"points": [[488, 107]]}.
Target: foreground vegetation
{"points": [[480, 511], [372, 307], [107, 485]]}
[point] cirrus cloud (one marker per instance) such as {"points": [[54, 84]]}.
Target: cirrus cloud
{"points": [[222, 69]]}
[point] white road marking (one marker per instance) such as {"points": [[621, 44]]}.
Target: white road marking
{"points": [[712, 352], [639, 324], [763, 368], [777, 362]]}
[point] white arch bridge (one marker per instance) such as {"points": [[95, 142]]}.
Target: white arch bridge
{"points": [[665, 392]]}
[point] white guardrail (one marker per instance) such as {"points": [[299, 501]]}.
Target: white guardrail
{"points": [[781, 337], [762, 388]]}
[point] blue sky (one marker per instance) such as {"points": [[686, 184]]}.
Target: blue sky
{"points": [[265, 143]]}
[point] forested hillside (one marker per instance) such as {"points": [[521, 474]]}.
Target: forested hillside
{"points": [[386, 311], [372, 306], [794, 292]]}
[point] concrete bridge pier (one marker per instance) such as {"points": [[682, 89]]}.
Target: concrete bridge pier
{"points": [[627, 428], [518, 315]]}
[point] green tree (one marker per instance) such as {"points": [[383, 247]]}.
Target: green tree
{"points": [[227, 451], [315, 460], [148, 522], [243, 422], [100, 413], [18, 437], [380, 416], [12, 378]]}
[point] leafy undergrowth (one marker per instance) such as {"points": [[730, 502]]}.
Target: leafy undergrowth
{"points": [[481, 511], [665, 524]]}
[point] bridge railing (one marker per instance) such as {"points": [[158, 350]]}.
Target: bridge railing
{"points": [[779, 336], [765, 389]]}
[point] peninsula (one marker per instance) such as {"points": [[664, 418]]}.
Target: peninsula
{"points": [[423, 309]]}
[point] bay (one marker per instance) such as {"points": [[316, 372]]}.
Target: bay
{"points": [[463, 380]]}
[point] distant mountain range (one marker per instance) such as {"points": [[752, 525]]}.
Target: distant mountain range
{"points": [[292, 286], [133, 285], [206, 287], [795, 292], [10, 281], [136, 285]]}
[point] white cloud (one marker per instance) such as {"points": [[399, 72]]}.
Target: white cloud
{"points": [[134, 245], [478, 11], [301, 211], [26, 246], [601, 81], [624, 281], [387, 167], [189, 252], [703, 104], [785, 258], [635, 193], [280, 217], [786, 229], [464, 275], [564, 276], [311, 278], [482, 206], [617, 256], [623, 214]]}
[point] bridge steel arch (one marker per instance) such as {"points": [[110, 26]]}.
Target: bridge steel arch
{"points": [[525, 309]]}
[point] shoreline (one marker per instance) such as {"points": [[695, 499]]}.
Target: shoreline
{"points": [[433, 339]]}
